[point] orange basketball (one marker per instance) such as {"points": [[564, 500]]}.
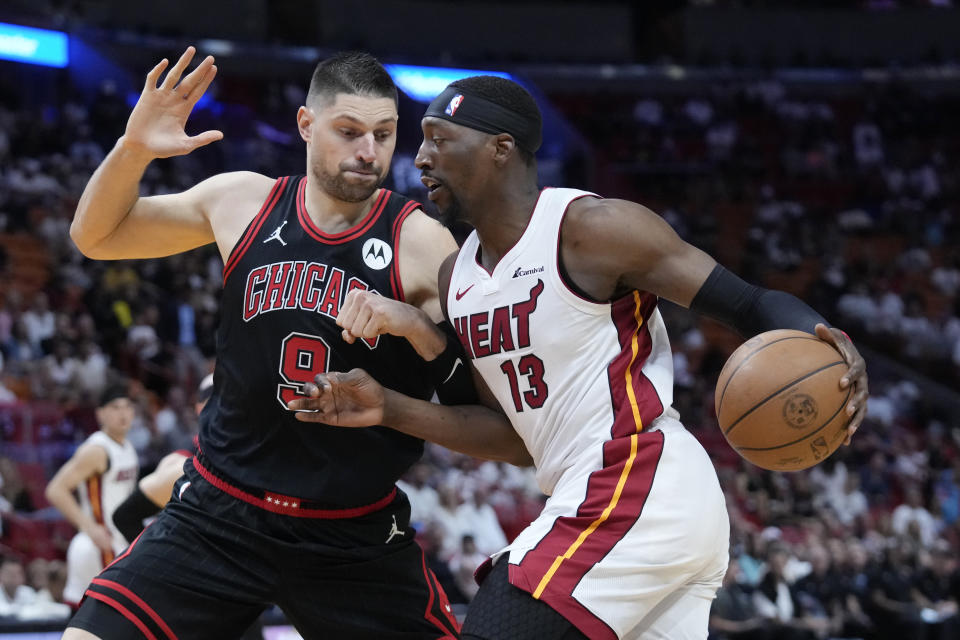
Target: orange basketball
{"points": [[779, 401]]}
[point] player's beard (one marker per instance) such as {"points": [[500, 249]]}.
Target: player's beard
{"points": [[337, 186], [452, 214]]}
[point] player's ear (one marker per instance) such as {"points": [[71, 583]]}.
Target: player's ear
{"points": [[305, 117], [504, 146]]}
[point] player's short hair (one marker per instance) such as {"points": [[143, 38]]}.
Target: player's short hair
{"points": [[507, 94], [111, 393], [353, 73]]}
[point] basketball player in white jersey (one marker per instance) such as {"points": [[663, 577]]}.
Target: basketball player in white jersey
{"points": [[554, 297], [154, 489], [104, 472]]}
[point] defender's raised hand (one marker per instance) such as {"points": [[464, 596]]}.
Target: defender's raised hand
{"points": [[156, 125]]}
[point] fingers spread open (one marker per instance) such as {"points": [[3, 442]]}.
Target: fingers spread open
{"points": [[154, 75], [173, 77], [196, 84]]}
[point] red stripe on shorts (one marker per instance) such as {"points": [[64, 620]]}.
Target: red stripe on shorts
{"points": [[613, 503], [442, 602], [119, 588], [122, 610]]}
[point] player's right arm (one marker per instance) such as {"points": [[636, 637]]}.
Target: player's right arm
{"points": [[613, 246], [89, 460], [113, 222], [355, 399]]}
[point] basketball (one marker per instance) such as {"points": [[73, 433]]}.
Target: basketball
{"points": [[779, 401]]}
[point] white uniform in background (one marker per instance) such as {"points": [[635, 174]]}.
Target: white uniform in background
{"points": [[100, 495]]}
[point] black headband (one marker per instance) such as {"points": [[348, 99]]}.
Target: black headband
{"points": [[483, 115]]}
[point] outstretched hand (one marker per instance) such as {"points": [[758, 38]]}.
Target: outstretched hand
{"points": [[351, 399], [856, 375], [156, 125]]}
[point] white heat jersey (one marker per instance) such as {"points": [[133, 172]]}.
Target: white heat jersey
{"points": [[632, 542], [101, 494], [569, 372]]}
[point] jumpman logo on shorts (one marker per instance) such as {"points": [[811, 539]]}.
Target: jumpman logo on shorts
{"points": [[276, 234], [395, 530]]}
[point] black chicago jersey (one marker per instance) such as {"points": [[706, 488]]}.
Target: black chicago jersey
{"points": [[284, 284]]}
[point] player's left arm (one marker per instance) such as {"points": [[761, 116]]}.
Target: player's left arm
{"points": [[88, 461], [615, 245], [422, 246]]}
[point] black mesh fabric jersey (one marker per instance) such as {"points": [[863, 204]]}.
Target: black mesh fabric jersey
{"points": [[284, 284]]}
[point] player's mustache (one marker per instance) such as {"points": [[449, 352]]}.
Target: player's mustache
{"points": [[361, 168]]}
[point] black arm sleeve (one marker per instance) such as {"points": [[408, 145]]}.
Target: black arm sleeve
{"points": [[129, 516], [451, 371], [750, 309]]}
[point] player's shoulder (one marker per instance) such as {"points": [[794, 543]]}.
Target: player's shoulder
{"points": [[423, 228], [237, 185], [93, 454], [101, 440], [232, 200], [596, 218], [425, 239]]}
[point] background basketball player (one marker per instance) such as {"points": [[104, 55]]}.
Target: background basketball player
{"points": [[154, 489], [104, 472]]}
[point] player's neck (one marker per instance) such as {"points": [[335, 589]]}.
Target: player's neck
{"points": [[501, 219], [119, 438], [334, 216]]}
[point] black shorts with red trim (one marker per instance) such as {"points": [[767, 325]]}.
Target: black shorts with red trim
{"points": [[212, 562]]}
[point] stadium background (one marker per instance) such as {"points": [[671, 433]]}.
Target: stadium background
{"points": [[810, 146]]}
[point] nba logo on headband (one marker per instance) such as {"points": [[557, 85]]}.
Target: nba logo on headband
{"points": [[454, 104]]}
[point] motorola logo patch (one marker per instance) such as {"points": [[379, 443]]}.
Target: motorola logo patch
{"points": [[377, 254]]}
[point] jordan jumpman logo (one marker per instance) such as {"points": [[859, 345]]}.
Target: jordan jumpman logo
{"points": [[395, 530], [276, 234]]}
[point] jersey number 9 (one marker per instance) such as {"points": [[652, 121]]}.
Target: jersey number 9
{"points": [[302, 357]]}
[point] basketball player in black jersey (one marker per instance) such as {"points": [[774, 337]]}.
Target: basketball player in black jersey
{"points": [[272, 510]]}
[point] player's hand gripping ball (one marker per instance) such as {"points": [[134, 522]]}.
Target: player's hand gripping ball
{"points": [[779, 401]]}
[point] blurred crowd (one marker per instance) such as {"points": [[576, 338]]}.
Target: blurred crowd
{"points": [[846, 197]]}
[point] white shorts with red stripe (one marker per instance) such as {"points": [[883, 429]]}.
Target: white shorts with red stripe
{"points": [[634, 540]]}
